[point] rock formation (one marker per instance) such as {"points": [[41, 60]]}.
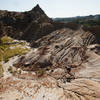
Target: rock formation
{"points": [[65, 47], [23, 24], [30, 25]]}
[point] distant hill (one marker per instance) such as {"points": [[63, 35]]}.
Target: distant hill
{"points": [[85, 20]]}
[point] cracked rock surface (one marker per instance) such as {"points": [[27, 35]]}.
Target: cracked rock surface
{"points": [[50, 81]]}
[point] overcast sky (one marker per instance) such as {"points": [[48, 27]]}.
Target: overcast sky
{"points": [[55, 8]]}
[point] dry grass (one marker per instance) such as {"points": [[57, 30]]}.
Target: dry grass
{"points": [[14, 52], [8, 51], [6, 39], [1, 70]]}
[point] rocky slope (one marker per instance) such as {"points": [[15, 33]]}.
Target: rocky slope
{"points": [[30, 25], [65, 67], [63, 46], [54, 82], [24, 24]]}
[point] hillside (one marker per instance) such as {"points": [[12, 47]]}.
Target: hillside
{"points": [[91, 20], [24, 24]]}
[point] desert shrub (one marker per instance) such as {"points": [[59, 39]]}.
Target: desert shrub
{"points": [[41, 72], [1, 56], [1, 70], [10, 69], [6, 39]]}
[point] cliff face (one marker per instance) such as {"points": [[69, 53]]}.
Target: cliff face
{"points": [[24, 25], [30, 25]]}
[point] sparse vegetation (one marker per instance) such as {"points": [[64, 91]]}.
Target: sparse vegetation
{"points": [[6, 39], [1, 70], [82, 20], [9, 50], [14, 71], [13, 52], [10, 69], [41, 72], [1, 56]]}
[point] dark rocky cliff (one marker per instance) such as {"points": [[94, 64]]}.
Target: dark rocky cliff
{"points": [[24, 25], [30, 25]]}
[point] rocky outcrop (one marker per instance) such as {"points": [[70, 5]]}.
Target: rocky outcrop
{"points": [[64, 67], [61, 46], [24, 24], [30, 25], [94, 30]]}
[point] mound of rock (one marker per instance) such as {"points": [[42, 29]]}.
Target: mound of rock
{"points": [[63, 48]]}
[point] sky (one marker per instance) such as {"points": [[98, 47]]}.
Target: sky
{"points": [[55, 8]]}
